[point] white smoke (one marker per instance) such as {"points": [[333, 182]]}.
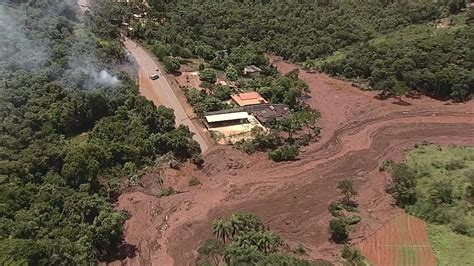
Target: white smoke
{"points": [[104, 78]]}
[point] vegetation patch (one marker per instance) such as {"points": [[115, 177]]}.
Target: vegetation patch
{"points": [[194, 181], [449, 247], [435, 183], [243, 239]]}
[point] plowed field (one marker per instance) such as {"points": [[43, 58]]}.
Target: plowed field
{"points": [[402, 241]]}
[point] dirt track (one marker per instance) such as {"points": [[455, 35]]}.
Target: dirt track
{"points": [[292, 198]]}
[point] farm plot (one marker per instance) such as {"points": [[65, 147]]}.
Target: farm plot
{"points": [[403, 241]]}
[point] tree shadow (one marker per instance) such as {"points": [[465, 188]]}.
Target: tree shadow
{"points": [[176, 73], [123, 251]]}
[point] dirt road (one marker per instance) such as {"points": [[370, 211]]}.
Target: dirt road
{"points": [[359, 132]]}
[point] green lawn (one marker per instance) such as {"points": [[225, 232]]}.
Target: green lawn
{"points": [[450, 248]]}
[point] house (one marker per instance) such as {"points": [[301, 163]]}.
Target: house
{"points": [[248, 98], [226, 119], [251, 70], [269, 112]]}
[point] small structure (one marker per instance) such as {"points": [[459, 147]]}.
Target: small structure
{"points": [[227, 119], [277, 112], [221, 54], [248, 98], [230, 125], [251, 70]]}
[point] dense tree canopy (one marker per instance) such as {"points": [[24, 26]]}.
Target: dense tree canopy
{"points": [[72, 125], [365, 40]]}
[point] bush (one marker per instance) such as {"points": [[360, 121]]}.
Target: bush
{"points": [[171, 64], [160, 50], [335, 208], [175, 164], [386, 165], [166, 192], [209, 75], [246, 146], [300, 250], [404, 184], [351, 220], [194, 181], [222, 93], [338, 229], [285, 153], [353, 256]]}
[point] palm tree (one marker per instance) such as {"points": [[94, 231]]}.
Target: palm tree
{"points": [[234, 225], [267, 241], [221, 230]]}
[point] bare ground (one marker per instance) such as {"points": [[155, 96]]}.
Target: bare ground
{"points": [[359, 132]]}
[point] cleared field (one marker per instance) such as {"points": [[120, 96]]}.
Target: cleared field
{"points": [[403, 241], [450, 248]]}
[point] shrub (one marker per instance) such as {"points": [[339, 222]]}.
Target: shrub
{"points": [[455, 164], [211, 246], [194, 181], [285, 153], [171, 64], [246, 146], [197, 160], [404, 184], [353, 256], [166, 192], [175, 164], [351, 220], [386, 165], [222, 93], [209, 75], [300, 250], [335, 208], [338, 230]]}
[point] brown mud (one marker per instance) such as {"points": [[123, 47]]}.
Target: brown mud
{"points": [[359, 132]]}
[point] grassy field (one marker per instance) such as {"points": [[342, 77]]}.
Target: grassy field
{"points": [[449, 170], [450, 248], [434, 164]]}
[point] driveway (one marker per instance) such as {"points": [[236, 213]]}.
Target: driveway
{"points": [[161, 91]]}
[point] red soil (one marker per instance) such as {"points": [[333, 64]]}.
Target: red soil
{"points": [[391, 245], [359, 132]]}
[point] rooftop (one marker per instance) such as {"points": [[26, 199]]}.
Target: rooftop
{"points": [[271, 111], [248, 98], [226, 117], [251, 69]]}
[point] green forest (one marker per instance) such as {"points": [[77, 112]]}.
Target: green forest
{"points": [[73, 128], [391, 46]]}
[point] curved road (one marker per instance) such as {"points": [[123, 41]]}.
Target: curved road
{"points": [[162, 89]]}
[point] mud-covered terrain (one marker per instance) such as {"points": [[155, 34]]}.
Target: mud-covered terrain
{"points": [[359, 132]]}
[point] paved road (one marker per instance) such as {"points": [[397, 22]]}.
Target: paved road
{"points": [[160, 87], [163, 89]]}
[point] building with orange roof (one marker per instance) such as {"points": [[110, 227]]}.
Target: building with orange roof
{"points": [[248, 98]]}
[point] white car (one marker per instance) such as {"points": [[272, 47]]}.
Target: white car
{"points": [[154, 76]]}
